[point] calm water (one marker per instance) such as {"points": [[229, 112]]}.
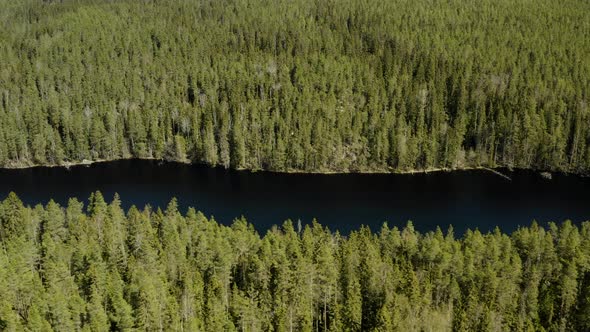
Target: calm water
{"points": [[465, 199]]}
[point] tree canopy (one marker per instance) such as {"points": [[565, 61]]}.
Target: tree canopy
{"points": [[310, 85], [99, 268]]}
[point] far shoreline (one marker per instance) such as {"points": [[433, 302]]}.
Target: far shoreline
{"points": [[498, 170]]}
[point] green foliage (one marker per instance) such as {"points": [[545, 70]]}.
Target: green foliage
{"points": [[336, 85], [160, 270]]}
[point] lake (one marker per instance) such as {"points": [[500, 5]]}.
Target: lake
{"points": [[466, 199]]}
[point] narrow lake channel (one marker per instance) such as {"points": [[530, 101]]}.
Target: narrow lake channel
{"points": [[466, 199]]}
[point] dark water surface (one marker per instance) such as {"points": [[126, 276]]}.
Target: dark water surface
{"points": [[465, 199]]}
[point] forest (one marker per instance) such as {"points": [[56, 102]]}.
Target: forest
{"points": [[100, 268], [290, 86], [304, 85]]}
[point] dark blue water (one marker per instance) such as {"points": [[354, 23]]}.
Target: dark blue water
{"points": [[464, 199]]}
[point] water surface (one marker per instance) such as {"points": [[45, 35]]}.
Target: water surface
{"points": [[465, 199]]}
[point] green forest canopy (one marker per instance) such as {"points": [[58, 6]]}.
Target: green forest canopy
{"points": [[98, 268], [311, 85]]}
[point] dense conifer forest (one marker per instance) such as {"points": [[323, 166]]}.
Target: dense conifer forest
{"points": [[290, 85], [307, 85], [99, 268]]}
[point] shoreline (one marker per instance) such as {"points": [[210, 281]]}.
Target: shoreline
{"points": [[495, 170]]}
